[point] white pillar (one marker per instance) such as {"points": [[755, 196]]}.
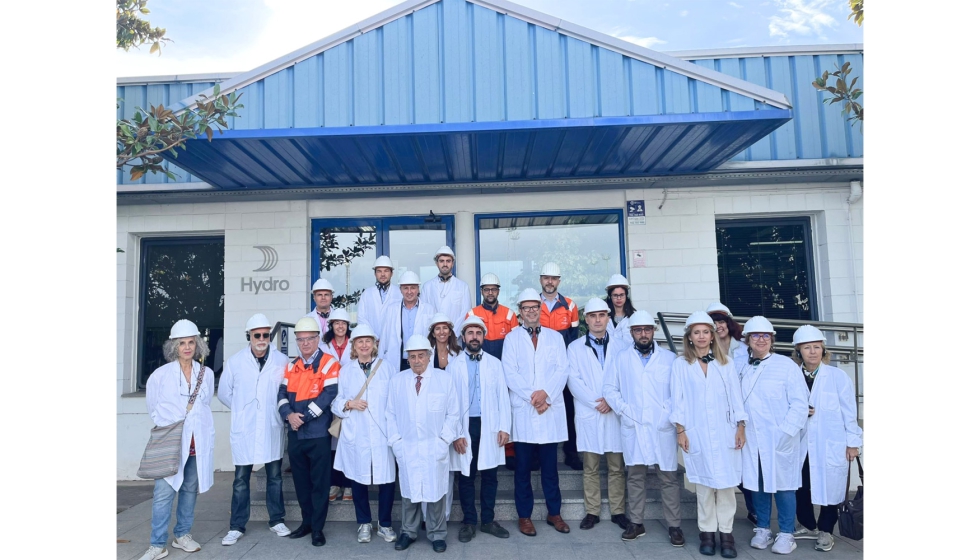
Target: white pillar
{"points": [[466, 252]]}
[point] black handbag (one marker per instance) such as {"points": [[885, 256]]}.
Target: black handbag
{"points": [[850, 513]]}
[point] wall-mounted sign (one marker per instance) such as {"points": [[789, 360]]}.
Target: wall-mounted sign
{"points": [[270, 258], [636, 212], [639, 259]]}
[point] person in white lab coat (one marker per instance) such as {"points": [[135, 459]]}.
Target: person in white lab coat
{"points": [[249, 388], [447, 293], [336, 342], [638, 389], [363, 454], [375, 299], [445, 349], [775, 400], [707, 412], [170, 390], [596, 426], [422, 420], [322, 291], [485, 421], [400, 322], [831, 437], [620, 307], [536, 370]]}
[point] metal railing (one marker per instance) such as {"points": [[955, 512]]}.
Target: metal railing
{"points": [[844, 341]]}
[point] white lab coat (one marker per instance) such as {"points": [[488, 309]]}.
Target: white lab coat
{"points": [[622, 330], [526, 370], [166, 401], [640, 395], [451, 298], [828, 433], [421, 429], [370, 308], [595, 432], [775, 397], [257, 430], [495, 412], [363, 453], [709, 407], [432, 358], [738, 351], [328, 348], [390, 343]]}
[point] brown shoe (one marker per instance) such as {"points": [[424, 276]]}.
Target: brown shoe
{"points": [[727, 545], [707, 543], [589, 521], [676, 536], [525, 526], [558, 523]]}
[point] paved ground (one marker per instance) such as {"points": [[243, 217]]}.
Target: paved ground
{"points": [[602, 542]]}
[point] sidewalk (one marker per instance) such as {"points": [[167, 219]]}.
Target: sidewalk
{"points": [[211, 524]]}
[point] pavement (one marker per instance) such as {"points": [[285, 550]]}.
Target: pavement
{"points": [[603, 541]]}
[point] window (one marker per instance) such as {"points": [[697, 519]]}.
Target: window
{"points": [[180, 278], [765, 267], [344, 251], [587, 246]]}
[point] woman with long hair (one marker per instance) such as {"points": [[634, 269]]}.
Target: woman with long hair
{"points": [[707, 412], [620, 306], [445, 346], [729, 333], [335, 341]]}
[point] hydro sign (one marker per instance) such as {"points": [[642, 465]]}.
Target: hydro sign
{"points": [[270, 258]]}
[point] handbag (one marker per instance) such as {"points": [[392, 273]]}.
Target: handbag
{"points": [[334, 428], [850, 513], [161, 458]]}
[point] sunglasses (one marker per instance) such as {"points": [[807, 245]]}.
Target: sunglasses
{"points": [[261, 335]]}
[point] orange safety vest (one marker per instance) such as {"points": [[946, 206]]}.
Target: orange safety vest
{"points": [[563, 317], [498, 324], [307, 384]]}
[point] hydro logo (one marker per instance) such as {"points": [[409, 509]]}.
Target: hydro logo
{"points": [[270, 258]]}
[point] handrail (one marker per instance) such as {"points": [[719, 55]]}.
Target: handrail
{"points": [[670, 339]]}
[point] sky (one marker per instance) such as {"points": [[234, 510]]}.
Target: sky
{"points": [[239, 35]]}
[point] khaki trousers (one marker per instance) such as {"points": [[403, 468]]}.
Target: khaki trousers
{"points": [[617, 483], [670, 494], [716, 509]]}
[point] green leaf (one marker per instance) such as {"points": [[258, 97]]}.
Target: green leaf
{"points": [[209, 132], [217, 89]]}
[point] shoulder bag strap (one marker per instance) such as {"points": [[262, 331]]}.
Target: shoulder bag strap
{"points": [[860, 472], [374, 370], [200, 378]]}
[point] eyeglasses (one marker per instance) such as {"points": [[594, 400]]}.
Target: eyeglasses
{"points": [[762, 335], [491, 290], [618, 296], [261, 335], [641, 330], [527, 308], [306, 339]]}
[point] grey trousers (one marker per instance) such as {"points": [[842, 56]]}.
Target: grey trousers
{"points": [[435, 519], [670, 494]]}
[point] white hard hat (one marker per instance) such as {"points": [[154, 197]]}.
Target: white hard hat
{"points": [[409, 278], [383, 261], [363, 330], [321, 284], [528, 295], [257, 321], [699, 318], [489, 279], [617, 280], [719, 308], [642, 318], [550, 269], [183, 328], [306, 324], [758, 324], [596, 305], [445, 250], [474, 320], [339, 314], [808, 333], [440, 318], [417, 342]]}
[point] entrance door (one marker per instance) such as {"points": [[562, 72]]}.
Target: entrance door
{"points": [[344, 251]]}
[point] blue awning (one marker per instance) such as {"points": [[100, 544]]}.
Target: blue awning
{"points": [[474, 152]]}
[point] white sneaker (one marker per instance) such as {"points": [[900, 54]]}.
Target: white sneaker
{"points": [[232, 537], [348, 494], [280, 530], [364, 532], [387, 533], [762, 538], [334, 493], [802, 532], [825, 541], [785, 543], [186, 543], [155, 553]]}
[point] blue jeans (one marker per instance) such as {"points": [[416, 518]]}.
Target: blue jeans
{"points": [[163, 500], [785, 507], [241, 502]]}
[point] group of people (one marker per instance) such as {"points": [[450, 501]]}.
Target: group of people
{"points": [[442, 392]]}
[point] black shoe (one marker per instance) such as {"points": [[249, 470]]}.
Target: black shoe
{"points": [[495, 529], [588, 522], [634, 531], [621, 520], [439, 546], [573, 462], [467, 532], [707, 543], [319, 539], [676, 536], [403, 541], [301, 531]]}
